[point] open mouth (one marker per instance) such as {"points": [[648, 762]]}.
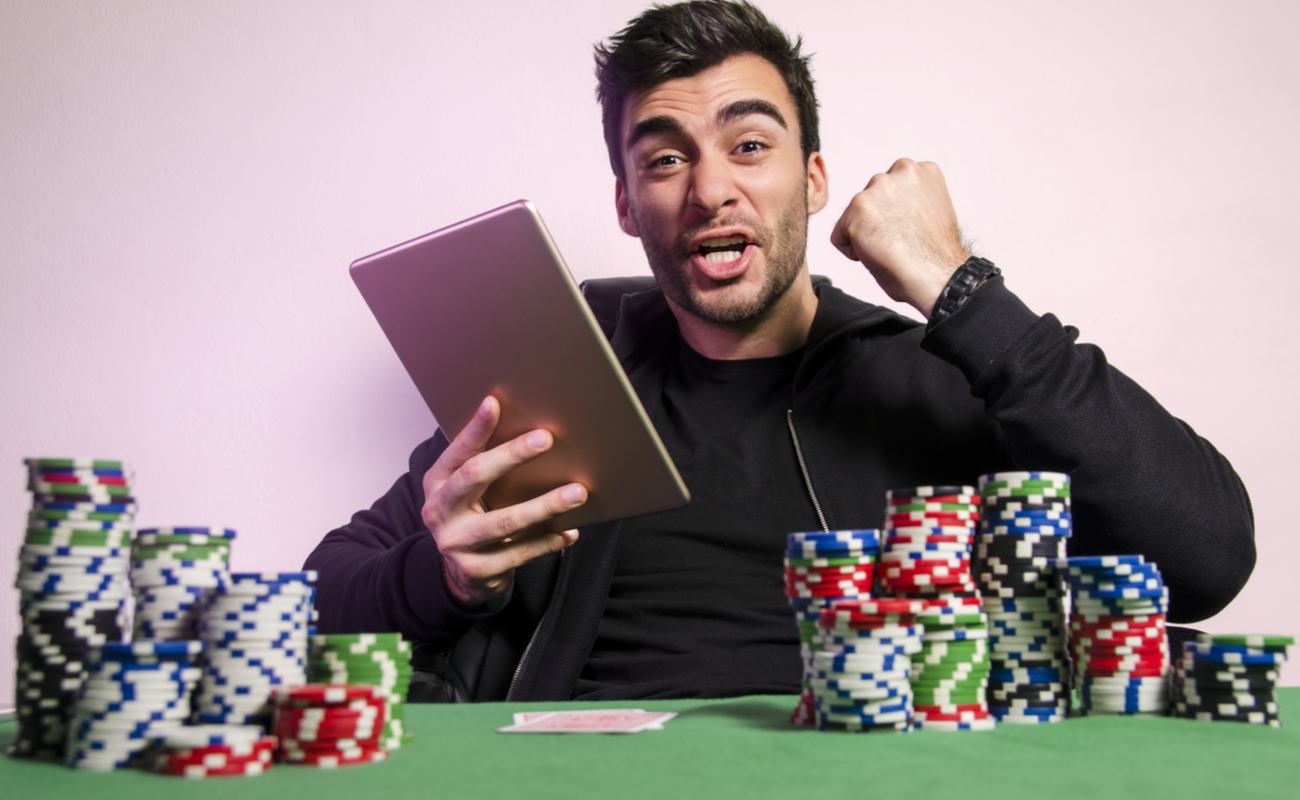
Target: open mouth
{"points": [[723, 258]]}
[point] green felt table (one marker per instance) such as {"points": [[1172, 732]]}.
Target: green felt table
{"points": [[743, 748]]}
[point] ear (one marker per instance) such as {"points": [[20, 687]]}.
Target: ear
{"points": [[624, 208], [818, 183]]}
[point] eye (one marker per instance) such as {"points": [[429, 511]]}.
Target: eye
{"points": [[662, 162], [751, 146]]}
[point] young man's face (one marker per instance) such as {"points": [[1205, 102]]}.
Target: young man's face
{"points": [[718, 190]]}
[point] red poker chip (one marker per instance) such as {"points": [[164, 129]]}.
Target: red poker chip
{"points": [[960, 579], [926, 566], [244, 769], [1094, 665], [331, 745], [96, 480], [911, 519], [972, 499], [831, 619], [324, 733], [879, 606], [1103, 648], [897, 538], [1109, 634], [327, 694], [214, 765], [957, 603], [332, 715], [943, 714], [826, 572], [196, 755], [1136, 672], [329, 759], [825, 591]]}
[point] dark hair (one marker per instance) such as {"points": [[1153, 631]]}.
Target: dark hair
{"points": [[684, 39]]}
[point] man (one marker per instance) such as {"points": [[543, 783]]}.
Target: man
{"points": [[786, 405]]}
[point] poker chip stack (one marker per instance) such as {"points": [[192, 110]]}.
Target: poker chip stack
{"points": [[132, 693], [1117, 634], [927, 555], [255, 631], [950, 673], [928, 532], [822, 567], [173, 571], [382, 660], [330, 725], [862, 664], [208, 751], [1229, 678], [72, 584], [1024, 527]]}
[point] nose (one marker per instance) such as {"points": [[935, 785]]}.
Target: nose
{"points": [[713, 186]]}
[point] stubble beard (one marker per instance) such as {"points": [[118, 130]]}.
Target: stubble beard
{"points": [[784, 250]]}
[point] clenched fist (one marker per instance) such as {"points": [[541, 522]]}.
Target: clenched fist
{"points": [[903, 228]]}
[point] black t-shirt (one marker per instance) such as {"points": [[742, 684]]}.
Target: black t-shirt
{"points": [[696, 606]]}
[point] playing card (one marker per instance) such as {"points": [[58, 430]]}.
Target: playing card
{"points": [[611, 720]]}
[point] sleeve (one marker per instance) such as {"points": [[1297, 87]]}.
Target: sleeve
{"points": [[382, 571], [1143, 481]]}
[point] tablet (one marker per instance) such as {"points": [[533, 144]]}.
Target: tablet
{"points": [[487, 306]]}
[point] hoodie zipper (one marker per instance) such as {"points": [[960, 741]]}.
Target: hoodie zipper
{"points": [[803, 467], [510, 693]]}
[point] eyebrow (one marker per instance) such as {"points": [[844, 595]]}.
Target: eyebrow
{"points": [[731, 112]]}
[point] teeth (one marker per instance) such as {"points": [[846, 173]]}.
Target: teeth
{"points": [[721, 256], [725, 241]]}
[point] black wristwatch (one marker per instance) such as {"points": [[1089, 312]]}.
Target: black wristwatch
{"points": [[970, 276]]}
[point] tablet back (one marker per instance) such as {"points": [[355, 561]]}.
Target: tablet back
{"points": [[487, 306]]}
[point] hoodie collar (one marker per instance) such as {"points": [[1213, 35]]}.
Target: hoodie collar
{"points": [[647, 330]]}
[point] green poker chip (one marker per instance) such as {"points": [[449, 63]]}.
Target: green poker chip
{"points": [[77, 537], [75, 463], [922, 506], [62, 515], [1247, 639], [848, 561]]}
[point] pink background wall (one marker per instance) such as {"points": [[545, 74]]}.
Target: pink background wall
{"points": [[184, 184]]}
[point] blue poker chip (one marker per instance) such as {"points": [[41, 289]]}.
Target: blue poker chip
{"points": [[75, 505], [1137, 573], [1134, 592], [1029, 513], [848, 686], [189, 530], [85, 525], [1223, 647], [1025, 519], [1030, 675], [862, 709], [801, 545], [1228, 657], [274, 577], [1097, 562]]}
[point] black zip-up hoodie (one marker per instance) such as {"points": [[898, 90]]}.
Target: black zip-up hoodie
{"points": [[877, 402]]}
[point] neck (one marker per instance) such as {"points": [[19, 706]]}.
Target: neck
{"points": [[782, 329]]}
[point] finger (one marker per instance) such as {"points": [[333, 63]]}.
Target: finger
{"points": [[840, 238], [472, 438], [485, 566], [468, 483], [505, 523], [901, 165]]}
